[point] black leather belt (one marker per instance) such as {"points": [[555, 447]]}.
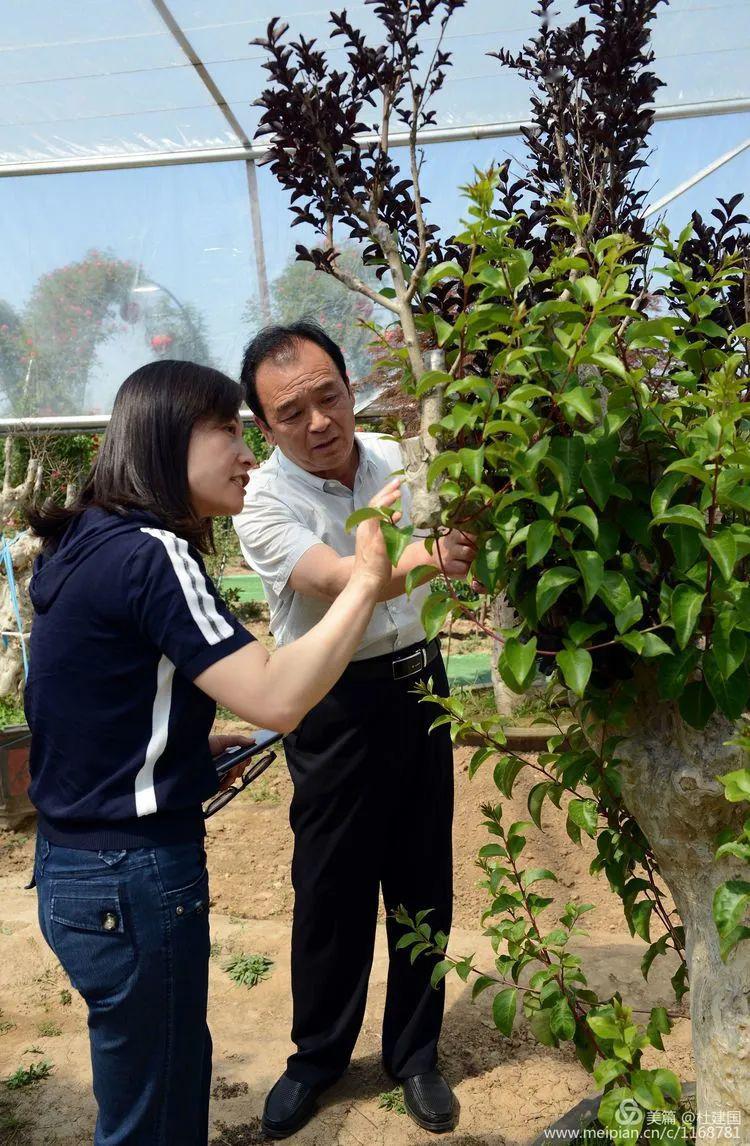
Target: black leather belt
{"points": [[401, 665]]}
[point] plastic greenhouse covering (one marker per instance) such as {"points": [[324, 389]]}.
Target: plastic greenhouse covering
{"points": [[133, 224]]}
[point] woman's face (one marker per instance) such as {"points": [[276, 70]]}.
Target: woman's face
{"points": [[218, 463]]}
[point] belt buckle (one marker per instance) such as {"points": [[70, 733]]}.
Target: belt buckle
{"points": [[409, 666]]}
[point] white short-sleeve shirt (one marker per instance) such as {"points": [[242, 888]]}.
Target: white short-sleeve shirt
{"points": [[288, 510]]}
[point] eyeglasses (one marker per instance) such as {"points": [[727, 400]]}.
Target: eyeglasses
{"points": [[256, 769]]}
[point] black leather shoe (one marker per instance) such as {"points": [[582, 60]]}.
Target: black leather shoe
{"points": [[429, 1101], [288, 1107]]}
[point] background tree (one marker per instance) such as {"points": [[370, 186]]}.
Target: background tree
{"points": [[298, 292]]}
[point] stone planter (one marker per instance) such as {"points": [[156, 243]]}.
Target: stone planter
{"points": [[15, 804], [574, 1125]]}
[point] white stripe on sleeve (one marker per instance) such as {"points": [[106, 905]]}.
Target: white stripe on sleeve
{"points": [[199, 600], [145, 794]]}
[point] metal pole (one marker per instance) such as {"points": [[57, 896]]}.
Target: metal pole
{"points": [[235, 153], [697, 178], [264, 293], [71, 423]]}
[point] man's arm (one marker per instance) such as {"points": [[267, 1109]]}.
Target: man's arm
{"points": [[323, 574]]}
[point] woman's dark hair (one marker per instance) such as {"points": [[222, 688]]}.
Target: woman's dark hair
{"points": [[142, 462], [281, 341]]}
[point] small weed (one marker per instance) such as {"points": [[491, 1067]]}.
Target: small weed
{"points": [[26, 1075], [247, 1134], [216, 949], [223, 1088], [248, 970], [392, 1100], [6, 1025], [5, 929], [65, 998], [262, 792], [48, 1029], [33, 1050], [10, 1125]]}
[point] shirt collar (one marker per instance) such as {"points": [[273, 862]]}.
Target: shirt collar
{"points": [[328, 485]]}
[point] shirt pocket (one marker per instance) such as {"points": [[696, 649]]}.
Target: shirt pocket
{"points": [[90, 935]]}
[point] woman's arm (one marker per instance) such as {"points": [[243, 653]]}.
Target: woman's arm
{"points": [[276, 690]]}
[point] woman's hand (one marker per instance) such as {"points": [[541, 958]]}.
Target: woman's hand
{"points": [[371, 561], [219, 743]]}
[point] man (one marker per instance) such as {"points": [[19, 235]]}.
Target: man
{"points": [[373, 789]]}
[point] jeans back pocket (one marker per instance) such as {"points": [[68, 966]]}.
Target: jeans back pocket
{"points": [[89, 933]]}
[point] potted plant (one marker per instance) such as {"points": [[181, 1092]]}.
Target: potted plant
{"points": [[592, 429]]}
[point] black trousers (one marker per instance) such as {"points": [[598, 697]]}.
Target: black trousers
{"points": [[372, 808]]}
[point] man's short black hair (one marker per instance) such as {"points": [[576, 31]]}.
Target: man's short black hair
{"points": [[277, 341]]}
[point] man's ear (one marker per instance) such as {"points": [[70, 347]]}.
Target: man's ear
{"points": [[265, 430]]}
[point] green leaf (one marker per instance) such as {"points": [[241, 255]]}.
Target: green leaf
{"points": [[723, 550], [646, 1092], [540, 1023], [520, 659], [591, 567], [586, 516], [659, 1025], [396, 540], [696, 704], [535, 874], [430, 380], [586, 289], [654, 646], [481, 984], [667, 1082], [598, 481], [657, 948], [536, 799], [736, 785], [621, 1115], [419, 575], [686, 545], [729, 644], [611, 365], [442, 461], [584, 815], [630, 615], [443, 329], [434, 611], [504, 1010], [603, 1024], [641, 919], [562, 1020], [686, 606], [607, 1070], [473, 463], [576, 666], [674, 671], [538, 541], [439, 971], [732, 694], [551, 585], [665, 491], [360, 515], [579, 401], [730, 903], [682, 515], [444, 270]]}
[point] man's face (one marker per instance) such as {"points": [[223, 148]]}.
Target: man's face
{"points": [[309, 411]]}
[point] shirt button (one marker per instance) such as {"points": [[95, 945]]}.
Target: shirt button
{"points": [[180, 910]]}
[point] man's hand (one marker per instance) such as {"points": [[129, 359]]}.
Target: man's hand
{"points": [[457, 550], [219, 743]]}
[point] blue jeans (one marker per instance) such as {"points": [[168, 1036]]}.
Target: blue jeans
{"points": [[131, 930]]}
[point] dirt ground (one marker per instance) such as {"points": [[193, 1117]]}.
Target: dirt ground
{"points": [[509, 1089]]}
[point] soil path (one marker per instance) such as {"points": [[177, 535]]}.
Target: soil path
{"points": [[509, 1089]]}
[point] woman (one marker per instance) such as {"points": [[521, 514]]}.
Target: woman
{"points": [[131, 648]]}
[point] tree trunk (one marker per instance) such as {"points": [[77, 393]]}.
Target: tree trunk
{"points": [[669, 785], [22, 551]]}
